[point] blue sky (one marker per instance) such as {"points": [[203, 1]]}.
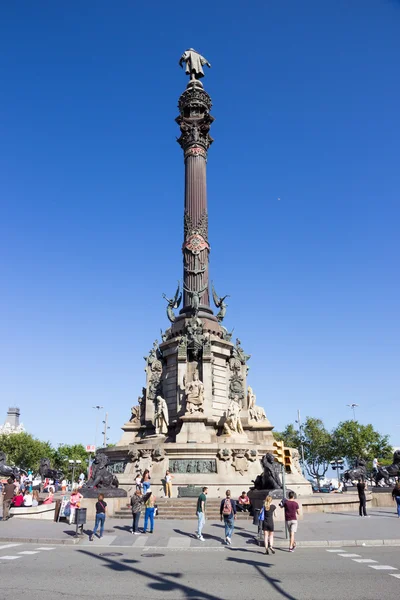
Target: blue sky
{"points": [[303, 189]]}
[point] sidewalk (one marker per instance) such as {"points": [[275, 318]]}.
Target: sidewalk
{"points": [[320, 529]]}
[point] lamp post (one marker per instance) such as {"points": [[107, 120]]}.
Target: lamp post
{"points": [[337, 465], [353, 407], [105, 438], [301, 442], [73, 464], [98, 408]]}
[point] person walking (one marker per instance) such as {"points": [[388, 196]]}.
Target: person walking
{"points": [[201, 513], [267, 518], [137, 502], [149, 512], [291, 509], [227, 512], [8, 495], [396, 497], [168, 485], [361, 487], [101, 510]]}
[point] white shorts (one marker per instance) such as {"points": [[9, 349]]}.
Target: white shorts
{"points": [[292, 526]]}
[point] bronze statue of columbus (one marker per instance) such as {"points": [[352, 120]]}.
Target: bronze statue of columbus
{"points": [[194, 63]]}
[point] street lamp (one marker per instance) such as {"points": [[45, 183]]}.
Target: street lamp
{"points": [[98, 408], [73, 464], [301, 442], [337, 465], [353, 407]]}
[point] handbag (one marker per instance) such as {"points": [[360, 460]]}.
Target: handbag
{"points": [[261, 516]]}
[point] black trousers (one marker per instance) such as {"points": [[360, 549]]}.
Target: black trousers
{"points": [[363, 506]]}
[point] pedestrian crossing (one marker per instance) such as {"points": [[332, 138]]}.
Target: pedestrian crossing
{"points": [[365, 561], [17, 553], [179, 542]]}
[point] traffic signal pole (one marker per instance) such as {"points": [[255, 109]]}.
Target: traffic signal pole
{"points": [[283, 473]]}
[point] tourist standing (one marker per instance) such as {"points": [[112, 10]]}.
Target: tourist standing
{"points": [[74, 501], [361, 486], [8, 495], [396, 497], [138, 482], [201, 513], [63, 486], [227, 512], [267, 518], [375, 465], [149, 512], [291, 509], [168, 485], [146, 483], [137, 501], [101, 509]]}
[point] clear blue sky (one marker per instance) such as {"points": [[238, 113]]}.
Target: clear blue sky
{"points": [[303, 184]]}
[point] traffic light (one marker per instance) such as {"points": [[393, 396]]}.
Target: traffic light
{"points": [[288, 460], [278, 452]]}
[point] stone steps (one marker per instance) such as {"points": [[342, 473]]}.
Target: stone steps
{"points": [[181, 508]]}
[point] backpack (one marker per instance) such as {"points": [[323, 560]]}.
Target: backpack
{"points": [[227, 510]]}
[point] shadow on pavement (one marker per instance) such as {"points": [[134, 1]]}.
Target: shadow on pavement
{"points": [[167, 582]]}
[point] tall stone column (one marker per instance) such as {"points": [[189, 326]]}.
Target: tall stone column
{"points": [[194, 122]]}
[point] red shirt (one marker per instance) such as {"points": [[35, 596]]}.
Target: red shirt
{"points": [[18, 500], [244, 500], [290, 507]]}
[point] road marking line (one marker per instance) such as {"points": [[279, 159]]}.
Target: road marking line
{"points": [[45, 548], [383, 567], [9, 546], [364, 560], [140, 542], [338, 550], [9, 557], [395, 575], [178, 542], [350, 555], [29, 552]]}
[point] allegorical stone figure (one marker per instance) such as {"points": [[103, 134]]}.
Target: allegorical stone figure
{"points": [[256, 413], [194, 391], [161, 418], [194, 63], [233, 423]]}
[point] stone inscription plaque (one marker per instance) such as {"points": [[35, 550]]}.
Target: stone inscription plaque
{"points": [[187, 465], [117, 467]]}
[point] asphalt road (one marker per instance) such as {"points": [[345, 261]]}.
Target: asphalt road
{"points": [[205, 573]]}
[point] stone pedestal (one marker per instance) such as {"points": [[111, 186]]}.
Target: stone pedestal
{"points": [[194, 430]]}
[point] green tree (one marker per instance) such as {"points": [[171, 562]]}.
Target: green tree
{"points": [[353, 440], [64, 452], [317, 444], [290, 436], [25, 451]]}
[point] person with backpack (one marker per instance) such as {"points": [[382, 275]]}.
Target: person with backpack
{"points": [[227, 511]]}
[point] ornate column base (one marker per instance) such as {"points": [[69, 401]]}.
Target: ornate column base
{"points": [[194, 430]]}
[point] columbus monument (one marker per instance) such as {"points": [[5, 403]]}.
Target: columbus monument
{"points": [[196, 415]]}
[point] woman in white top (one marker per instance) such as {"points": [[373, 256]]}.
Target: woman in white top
{"points": [[28, 498], [168, 485]]}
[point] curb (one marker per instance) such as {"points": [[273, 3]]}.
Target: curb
{"points": [[335, 543], [27, 540]]}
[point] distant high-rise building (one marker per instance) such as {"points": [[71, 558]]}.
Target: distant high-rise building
{"points": [[13, 417]]}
